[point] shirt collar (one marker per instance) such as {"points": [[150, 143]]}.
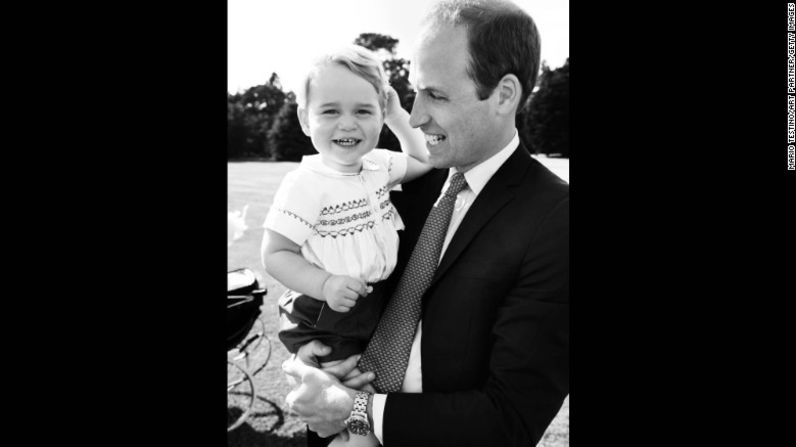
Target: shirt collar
{"points": [[315, 164], [478, 176]]}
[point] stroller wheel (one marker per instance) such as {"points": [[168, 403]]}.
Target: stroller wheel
{"points": [[238, 380]]}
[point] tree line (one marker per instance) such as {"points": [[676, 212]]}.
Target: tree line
{"points": [[262, 122]]}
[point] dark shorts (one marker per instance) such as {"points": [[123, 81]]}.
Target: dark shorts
{"points": [[303, 318]]}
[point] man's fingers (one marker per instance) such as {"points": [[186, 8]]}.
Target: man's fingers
{"points": [[295, 368], [290, 399], [360, 381], [349, 374], [291, 381], [289, 369], [310, 352], [317, 348], [353, 373], [343, 368]]}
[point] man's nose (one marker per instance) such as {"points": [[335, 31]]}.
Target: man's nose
{"points": [[418, 116]]}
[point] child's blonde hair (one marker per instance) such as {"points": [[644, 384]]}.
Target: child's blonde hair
{"points": [[359, 60]]}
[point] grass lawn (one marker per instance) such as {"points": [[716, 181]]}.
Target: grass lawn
{"points": [[254, 183]]}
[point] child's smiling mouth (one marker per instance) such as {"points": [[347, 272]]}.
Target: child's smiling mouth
{"points": [[346, 142]]}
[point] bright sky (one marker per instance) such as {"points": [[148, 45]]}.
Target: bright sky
{"points": [[281, 36]]}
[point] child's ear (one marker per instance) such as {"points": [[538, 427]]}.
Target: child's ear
{"points": [[303, 120]]}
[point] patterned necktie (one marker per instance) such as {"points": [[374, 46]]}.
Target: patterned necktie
{"points": [[387, 353]]}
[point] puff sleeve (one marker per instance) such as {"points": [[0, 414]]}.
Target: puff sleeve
{"points": [[296, 208]]}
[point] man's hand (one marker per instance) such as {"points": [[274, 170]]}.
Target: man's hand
{"points": [[310, 352], [320, 400], [341, 292], [346, 371]]}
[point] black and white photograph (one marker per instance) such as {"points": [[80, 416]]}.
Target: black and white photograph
{"points": [[436, 234], [398, 223]]}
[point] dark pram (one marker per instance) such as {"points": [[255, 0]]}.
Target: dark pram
{"points": [[244, 299]]}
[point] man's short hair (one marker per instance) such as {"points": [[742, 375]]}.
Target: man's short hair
{"points": [[502, 39], [359, 60]]}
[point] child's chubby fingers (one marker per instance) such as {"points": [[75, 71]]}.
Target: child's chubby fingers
{"points": [[343, 305], [392, 94], [350, 294], [366, 289], [337, 307], [359, 287]]}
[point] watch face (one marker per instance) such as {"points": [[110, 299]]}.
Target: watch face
{"points": [[358, 426]]}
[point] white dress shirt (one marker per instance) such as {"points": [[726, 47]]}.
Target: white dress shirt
{"points": [[477, 177]]}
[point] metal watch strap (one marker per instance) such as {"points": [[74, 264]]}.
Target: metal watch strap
{"points": [[361, 403], [358, 422]]}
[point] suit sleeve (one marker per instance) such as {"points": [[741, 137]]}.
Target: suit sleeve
{"points": [[528, 376]]}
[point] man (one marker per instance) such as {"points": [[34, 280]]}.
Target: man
{"points": [[487, 361]]}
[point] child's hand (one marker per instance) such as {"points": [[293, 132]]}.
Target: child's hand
{"points": [[341, 292], [393, 109]]}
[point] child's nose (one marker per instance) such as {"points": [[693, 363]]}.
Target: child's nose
{"points": [[346, 122]]}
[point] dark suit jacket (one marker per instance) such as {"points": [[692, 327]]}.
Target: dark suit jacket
{"points": [[495, 344]]}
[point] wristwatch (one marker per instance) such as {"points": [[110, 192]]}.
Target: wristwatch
{"points": [[357, 421]]}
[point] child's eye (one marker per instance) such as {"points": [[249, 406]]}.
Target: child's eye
{"points": [[329, 112], [434, 96], [364, 112]]}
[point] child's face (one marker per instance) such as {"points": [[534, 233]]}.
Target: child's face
{"points": [[343, 117]]}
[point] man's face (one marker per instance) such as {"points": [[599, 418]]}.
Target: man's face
{"points": [[460, 129], [343, 117]]}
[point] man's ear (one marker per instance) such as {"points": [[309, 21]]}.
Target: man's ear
{"points": [[509, 91], [303, 120]]}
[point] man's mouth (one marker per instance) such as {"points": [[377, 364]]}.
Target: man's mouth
{"points": [[434, 140], [346, 142]]}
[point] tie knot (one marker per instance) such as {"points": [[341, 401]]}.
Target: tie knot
{"points": [[458, 183]]}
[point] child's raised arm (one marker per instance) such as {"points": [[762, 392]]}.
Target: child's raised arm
{"points": [[282, 260], [412, 141]]}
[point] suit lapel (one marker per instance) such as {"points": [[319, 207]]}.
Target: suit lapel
{"points": [[498, 192]]}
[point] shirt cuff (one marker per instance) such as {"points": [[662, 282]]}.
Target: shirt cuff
{"points": [[379, 400]]}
